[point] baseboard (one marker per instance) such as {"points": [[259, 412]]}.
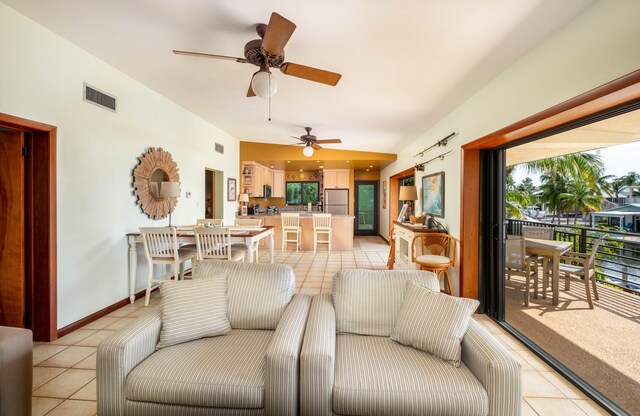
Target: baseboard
{"points": [[96, 315], [385, 239]]}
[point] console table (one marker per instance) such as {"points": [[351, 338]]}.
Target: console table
{"points": [[403, 234]]}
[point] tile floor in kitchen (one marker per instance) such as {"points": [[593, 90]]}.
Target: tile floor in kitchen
{"points": [[64, 372]]}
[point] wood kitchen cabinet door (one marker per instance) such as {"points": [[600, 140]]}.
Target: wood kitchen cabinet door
{"points": [[342, 179], [330, 179]]}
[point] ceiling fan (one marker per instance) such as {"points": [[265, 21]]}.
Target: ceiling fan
{"points": [[268, 52], [310, 142]]}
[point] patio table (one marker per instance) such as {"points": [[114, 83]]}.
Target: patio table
{"points": [[549, 250]]}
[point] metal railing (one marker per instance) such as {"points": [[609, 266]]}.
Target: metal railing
{"points": [[617, 257]]}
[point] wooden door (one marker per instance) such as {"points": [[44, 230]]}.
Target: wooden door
{"points": [[12, 283]]}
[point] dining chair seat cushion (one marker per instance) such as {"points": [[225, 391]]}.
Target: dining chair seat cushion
{"points": [[434, 322], [433, 259], [367, 302], [183, 254], [377, 376], [193, 309], [226, 372]]}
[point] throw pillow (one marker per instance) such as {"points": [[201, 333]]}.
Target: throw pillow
{"points": [[193, 309], [434, 322]]}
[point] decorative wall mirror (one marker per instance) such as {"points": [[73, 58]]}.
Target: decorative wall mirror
{"points": [[156, 168]]}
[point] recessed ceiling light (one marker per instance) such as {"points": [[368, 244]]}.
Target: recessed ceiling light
{"points": [[317, 161], [300, 170], [288, 161], [321, 167], [271, 167], [367, 170], [371, 166], [347, 161]]}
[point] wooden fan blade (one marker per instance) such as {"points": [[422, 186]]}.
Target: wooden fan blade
{"points": [[210, 55], [329, 141], [316, 146], [278, 33], [311, 74], [250, 92]]}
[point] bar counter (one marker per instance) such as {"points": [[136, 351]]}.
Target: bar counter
{"points": [[341, 225]]}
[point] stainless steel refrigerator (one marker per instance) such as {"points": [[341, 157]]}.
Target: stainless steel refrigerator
{"points": [[336, 201]]}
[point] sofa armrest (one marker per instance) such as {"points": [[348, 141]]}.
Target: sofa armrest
{"points": [[118, 355], [283, 358], [317, 359], [16, 371], [496, 368]]}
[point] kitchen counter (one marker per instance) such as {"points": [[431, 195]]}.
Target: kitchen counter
{"points": [[302, 214], [341, 239]]}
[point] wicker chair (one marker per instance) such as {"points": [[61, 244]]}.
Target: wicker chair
{"points": [[438, 253]]}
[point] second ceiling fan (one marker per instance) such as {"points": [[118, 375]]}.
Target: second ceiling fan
{"points": [[311, 142], [268, 52]]}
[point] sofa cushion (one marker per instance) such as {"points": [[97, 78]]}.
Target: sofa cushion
{"points": [[434, 322], [257, 293], [193, 309], [368, 301], [375, 375], [226, 372]]}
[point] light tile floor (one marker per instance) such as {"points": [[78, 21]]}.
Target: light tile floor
{"points": [[64, 371]]}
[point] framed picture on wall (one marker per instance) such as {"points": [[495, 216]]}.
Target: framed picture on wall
{"points": [[231, 189], [433, 194]]}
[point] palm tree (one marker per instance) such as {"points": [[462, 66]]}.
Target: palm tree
{"points": [[581, 197], [551, 189], [515, 199], [577, 165]]}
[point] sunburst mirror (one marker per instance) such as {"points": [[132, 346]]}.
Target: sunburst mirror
{"points": [[156, 166]]}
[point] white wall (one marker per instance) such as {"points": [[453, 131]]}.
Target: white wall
{"points": [[41, 78], [601, 44]]}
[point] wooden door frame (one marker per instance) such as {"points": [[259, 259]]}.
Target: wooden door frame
{"points": [[40, 225], [394, 194], [615, 93]]}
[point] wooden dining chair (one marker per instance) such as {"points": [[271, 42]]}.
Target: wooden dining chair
{"points": [[209, 222], [391, 260], [248, 222], [215, 243], [518, 262], [161, 247], [437, 254], [581, 265]]}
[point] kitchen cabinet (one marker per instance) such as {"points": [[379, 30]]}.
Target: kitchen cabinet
{"points": [[278, 187], [336, 178]]}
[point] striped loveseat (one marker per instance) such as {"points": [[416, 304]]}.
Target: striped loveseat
{"points": [[253, 370], [350, 366]]}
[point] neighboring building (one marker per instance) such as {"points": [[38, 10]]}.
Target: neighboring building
{"points": [[625, 216], [628, 195]]}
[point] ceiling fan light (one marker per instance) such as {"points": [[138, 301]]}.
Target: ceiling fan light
{"points": [[308, 150], [264, 84]]}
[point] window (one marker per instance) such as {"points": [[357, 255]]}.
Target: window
{"points": [[299, 193]]}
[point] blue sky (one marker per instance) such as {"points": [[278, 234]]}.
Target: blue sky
{"points": [[618, 161]]}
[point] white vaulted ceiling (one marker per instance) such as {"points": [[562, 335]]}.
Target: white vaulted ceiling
{"points": [[404, 64]]}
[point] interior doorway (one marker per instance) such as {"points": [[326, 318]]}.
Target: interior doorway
{"points": [[213, 193], [366, 207], [28, 235]]}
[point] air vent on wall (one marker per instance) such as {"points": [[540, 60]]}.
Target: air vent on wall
{"points": [[99, 98], [219, 148]]}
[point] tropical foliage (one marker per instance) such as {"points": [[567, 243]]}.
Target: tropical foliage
{"points": [[573, 183]]}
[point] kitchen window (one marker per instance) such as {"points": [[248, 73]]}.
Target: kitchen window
{"points": [[300, 193]]}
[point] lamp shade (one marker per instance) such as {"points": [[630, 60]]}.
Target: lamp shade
{"points": [[307, 151], [170, 190], [408, 193], [244, 198], [264, 84]]}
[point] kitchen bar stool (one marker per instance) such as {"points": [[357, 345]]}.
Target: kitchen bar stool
{"points": [[321, 225], [291, 225]]}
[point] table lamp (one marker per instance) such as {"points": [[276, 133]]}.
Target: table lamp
{"points": [[170, 190], [244, 198], [407, 193]]}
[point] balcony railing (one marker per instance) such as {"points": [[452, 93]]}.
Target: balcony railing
{"points": [[617, 258]]}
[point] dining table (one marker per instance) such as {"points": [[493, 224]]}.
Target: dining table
{"points": [[549, 250], [186, 235]]}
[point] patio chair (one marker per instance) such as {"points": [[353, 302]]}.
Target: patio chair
{"points": [[585, 269], [518, 263]]}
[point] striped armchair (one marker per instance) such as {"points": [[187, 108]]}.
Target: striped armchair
{"points": [[253, 370], [349, 365]]}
